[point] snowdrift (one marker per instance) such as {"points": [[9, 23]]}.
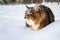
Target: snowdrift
{"points": [[12, 24]]}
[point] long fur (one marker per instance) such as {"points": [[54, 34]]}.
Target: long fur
{"points": [[40, 16]]}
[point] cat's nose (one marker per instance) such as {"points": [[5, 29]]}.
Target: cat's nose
{"points": [[25, 17]]}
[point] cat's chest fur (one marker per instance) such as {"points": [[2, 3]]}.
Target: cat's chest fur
{"points": [[31, 23]]}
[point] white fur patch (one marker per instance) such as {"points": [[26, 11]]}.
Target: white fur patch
{"points": [[33, 26], [28, 11], [30, 22]]}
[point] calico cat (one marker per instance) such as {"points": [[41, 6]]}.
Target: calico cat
{"points": [[38, 17]]}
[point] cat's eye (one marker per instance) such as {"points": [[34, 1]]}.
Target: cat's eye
{"points": [[31, 14]]}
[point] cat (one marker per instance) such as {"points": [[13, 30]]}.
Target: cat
{"points": [[38, 17]]}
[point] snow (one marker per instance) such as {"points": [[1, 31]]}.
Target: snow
{"points": [[12, 24]]}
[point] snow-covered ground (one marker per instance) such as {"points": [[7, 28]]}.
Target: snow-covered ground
{"points": [[12, 24]]}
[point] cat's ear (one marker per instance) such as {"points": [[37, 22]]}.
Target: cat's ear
{"points": [[27, 7]]}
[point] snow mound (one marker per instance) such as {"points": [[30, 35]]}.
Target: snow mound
{"points": [[12, 24]]}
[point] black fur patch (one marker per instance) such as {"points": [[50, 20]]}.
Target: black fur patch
{"points": [[48, 12]]}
